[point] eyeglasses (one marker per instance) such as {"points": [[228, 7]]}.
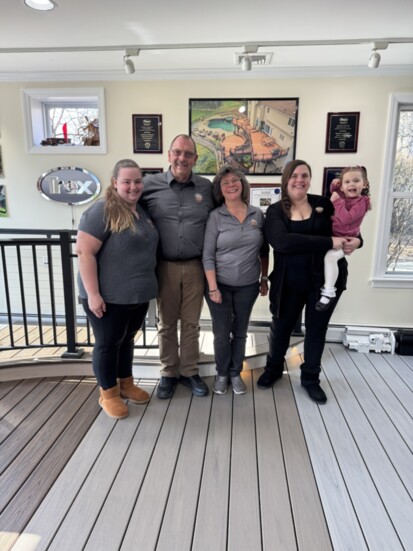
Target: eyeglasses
{"points": [[186, 154], [229, 182]]}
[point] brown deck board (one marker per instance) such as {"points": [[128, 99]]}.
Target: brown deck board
{"points": [[32, 492]]}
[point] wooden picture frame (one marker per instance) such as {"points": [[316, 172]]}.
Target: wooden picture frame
{"points": [[342, 132], [147, 133], [255, 135]]}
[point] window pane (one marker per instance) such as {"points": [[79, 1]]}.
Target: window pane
{"points": [[400, 251], [82, 124], [403, 169]]}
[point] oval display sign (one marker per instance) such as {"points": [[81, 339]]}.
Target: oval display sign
{"points": [[69, 185]]}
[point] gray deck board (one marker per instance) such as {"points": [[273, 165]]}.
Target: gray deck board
{"points": [[211, 524], [276, 517], [397, 503], [146, 518], [392, 442], [309, 521], [109, 529], [244, 510], [344, 527], [178, 522], [265, 471]]}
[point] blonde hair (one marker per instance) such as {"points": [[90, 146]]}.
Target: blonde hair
{"points": [[118, 215]]}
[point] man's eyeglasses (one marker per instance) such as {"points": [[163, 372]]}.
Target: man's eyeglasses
{"points": [[186, 154]]}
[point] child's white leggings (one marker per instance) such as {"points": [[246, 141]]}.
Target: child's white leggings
{"points": [[331, 271]]}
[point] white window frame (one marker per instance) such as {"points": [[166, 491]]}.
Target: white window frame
{"points": [[35, 130], [380, 278]]}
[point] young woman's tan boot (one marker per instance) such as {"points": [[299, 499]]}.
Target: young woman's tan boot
{"points": [[112, 404], [132, 392]]}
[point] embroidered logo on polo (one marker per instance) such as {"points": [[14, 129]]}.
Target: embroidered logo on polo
{"points": [[253, 222], [198, 197]]}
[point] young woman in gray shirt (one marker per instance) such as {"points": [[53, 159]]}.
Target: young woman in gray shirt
{"points": [[116, 246]]}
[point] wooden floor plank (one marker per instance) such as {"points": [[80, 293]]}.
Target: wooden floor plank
{"points": [[244, 526], [6, 387], [377, 527], [393, 494], [389, 400], [399, 365], [78, 523], [395, 447], [46, 521], [146, 518], [26, 461], [310, 525], [19, 438], [399, 385], [148, 497], [31, 493], [112, 521], [276, 516], [179, 519], [344, 528], [20, 390], [212, 515]]}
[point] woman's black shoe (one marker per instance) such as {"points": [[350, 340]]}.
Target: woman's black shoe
{"points": [[268, 378], [315, 392]]}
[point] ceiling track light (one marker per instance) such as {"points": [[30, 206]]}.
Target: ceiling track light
{"points": [[246, 63], [375, 57], [128, 64]]}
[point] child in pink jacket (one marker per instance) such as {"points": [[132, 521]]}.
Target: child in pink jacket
{"points": [[350, 196]]}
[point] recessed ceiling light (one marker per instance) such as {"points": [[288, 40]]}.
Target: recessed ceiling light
{"points": [[43, 5]]}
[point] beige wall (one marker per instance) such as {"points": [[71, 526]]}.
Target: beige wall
{"points": [[361, 304]]}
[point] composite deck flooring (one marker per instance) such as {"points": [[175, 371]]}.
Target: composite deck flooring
{"points": [[268, 470]]}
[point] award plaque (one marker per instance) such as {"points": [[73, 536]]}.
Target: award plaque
{"points": [[342, 132], [147, 133]]}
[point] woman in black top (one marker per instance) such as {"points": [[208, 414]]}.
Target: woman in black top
{"points": [[298, 228]]}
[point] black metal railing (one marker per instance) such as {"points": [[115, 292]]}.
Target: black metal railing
{"points": [[38, 293]]}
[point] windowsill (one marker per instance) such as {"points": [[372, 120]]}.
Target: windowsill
{"points": [[68, 149], [390, 282]]}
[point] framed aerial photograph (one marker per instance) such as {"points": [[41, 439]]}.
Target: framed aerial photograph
{"points": [[264, 195], [147, 133], [330, 172], [255, 135], [342, 132]]}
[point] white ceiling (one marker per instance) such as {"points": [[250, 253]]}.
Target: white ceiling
{"points": [[117, 23]]}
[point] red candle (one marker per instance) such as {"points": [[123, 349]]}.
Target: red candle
{"points": [[64, 127]]}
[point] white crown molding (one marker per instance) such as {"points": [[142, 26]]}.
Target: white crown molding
{"points": [[207, 74]]}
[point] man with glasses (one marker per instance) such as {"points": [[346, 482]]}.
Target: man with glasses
{"points": [[179, 203]]}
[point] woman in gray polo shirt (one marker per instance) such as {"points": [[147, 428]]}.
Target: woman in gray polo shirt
{"points": [[116, 246], [235, 254]]}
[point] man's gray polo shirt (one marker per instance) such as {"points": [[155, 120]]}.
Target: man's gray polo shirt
{"points": [[180, 212]]}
